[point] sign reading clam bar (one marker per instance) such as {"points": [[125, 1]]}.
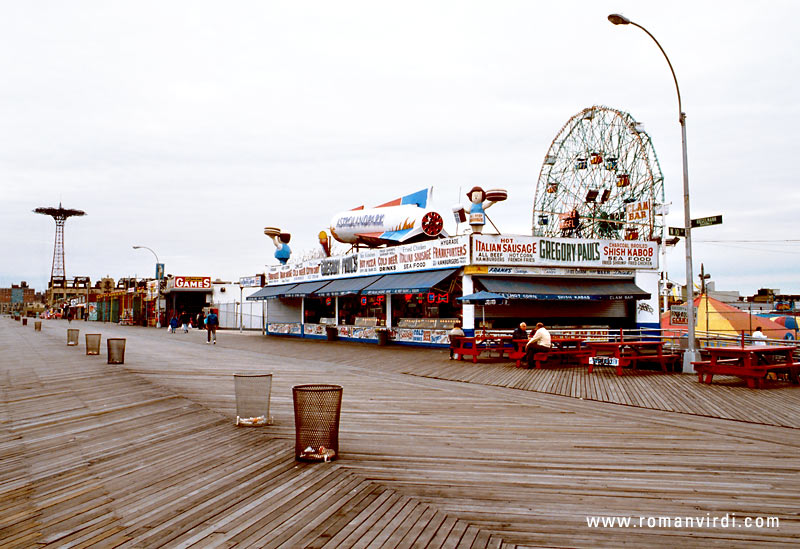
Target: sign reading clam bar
{"points": [[521, 250], [420, 256]]}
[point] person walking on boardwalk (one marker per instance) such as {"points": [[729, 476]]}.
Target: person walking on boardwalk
{"points": [[212, 321], [201, 321], [539, 343], [173, 324], [185, 322]]}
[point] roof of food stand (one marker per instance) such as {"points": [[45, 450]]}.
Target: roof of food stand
{"points": [[563, 288]]}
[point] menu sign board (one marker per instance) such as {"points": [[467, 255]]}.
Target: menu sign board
{"points": [[520, 250], [420, 256]]}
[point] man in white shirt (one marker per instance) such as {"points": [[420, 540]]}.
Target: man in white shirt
{"points": [[758, 337], [539, 343]]}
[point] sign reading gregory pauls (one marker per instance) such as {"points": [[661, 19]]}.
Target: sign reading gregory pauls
{"points": [[521, 250], [191, 282], [420, 256]]}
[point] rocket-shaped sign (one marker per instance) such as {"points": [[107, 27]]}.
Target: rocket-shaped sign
{"points": [[403, 220]]}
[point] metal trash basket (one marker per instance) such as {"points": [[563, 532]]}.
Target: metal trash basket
{"points": [[116, 350], [93, 344], [332, 333], [252, 399], [383, 336], [37, 325], [24, 321], [317, 408], [72, 336]]}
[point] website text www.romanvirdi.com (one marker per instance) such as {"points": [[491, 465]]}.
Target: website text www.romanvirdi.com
{"points": [[729, 520]]}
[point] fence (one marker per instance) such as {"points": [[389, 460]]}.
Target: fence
{"points": [[250, 314]]}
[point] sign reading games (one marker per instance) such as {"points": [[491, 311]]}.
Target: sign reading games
{"points": [[421, 256], [519, 250]]}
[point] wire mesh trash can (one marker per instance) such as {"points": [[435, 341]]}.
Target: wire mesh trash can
{"points": [[332, 333], [317, 408], [383, 336], [24, 321], [37, 325], [116, 350], [72, 336], [93, 344], [252, 399]]}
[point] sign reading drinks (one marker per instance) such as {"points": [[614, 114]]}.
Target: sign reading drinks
{"points": [[420, 256], [520, 250]]}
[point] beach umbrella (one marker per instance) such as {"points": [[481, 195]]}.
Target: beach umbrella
{"points": [[483, 298]]}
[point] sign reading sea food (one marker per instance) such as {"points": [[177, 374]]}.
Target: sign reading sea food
{"points": [[563, 252]]}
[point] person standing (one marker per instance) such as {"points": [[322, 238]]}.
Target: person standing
{"points": [[201, 321], [758, 337], [185, 322], [173, 324], [539, 343], [211, 327]]}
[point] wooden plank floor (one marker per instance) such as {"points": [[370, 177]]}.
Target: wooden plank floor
{"points": [[146, 455]]}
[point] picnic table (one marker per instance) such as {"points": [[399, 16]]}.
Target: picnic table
{"points": [[487, 343], [628, 353], [564, 349], [750, 362]]}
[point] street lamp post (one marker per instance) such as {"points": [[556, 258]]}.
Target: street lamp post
{"points": [[158, 288], [691, 351]]}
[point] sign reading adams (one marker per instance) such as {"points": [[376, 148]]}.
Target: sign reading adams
{"points": [[520, 250]]}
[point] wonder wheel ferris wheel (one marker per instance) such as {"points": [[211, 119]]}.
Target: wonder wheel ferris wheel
{"points": [[600, 179]]}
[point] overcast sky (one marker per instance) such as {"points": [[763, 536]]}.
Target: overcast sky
{"points": [[190, 126]]}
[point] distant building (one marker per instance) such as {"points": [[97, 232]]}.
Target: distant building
{"points": [[17, 297]]}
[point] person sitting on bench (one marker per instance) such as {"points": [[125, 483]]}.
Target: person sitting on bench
{"points": [[539, 343]]}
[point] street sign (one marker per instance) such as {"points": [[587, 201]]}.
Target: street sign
{"points": [[677, 231], [707, 221]]}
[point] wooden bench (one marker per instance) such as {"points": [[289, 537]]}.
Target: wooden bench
{"points": [[518, 353], [633, 360], [753, 375], [465, 346], [581, 354]]}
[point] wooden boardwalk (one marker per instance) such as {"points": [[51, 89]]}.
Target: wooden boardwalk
{"points": [[146, 455]]}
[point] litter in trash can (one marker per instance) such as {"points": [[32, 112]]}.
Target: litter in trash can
{"points": [[116, 350], [317, 409], [93, 344], [72, 336], [252, 399]]}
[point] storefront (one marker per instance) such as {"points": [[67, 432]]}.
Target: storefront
{"points": [[189, 294], [412, 290], [121, 306]]}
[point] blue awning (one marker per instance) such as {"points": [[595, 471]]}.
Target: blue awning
{"points": [[564, 289], [305, 289], [270, 292], [408, 283], [346, 286]]}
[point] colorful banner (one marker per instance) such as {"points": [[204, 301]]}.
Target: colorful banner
{"points": [[518, 250], [421, 256]]}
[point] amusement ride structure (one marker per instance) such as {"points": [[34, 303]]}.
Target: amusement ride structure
{"points": [[60, 216], [600, 179]]}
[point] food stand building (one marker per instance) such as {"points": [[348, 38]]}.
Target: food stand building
{"points": [[412, 290]]}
